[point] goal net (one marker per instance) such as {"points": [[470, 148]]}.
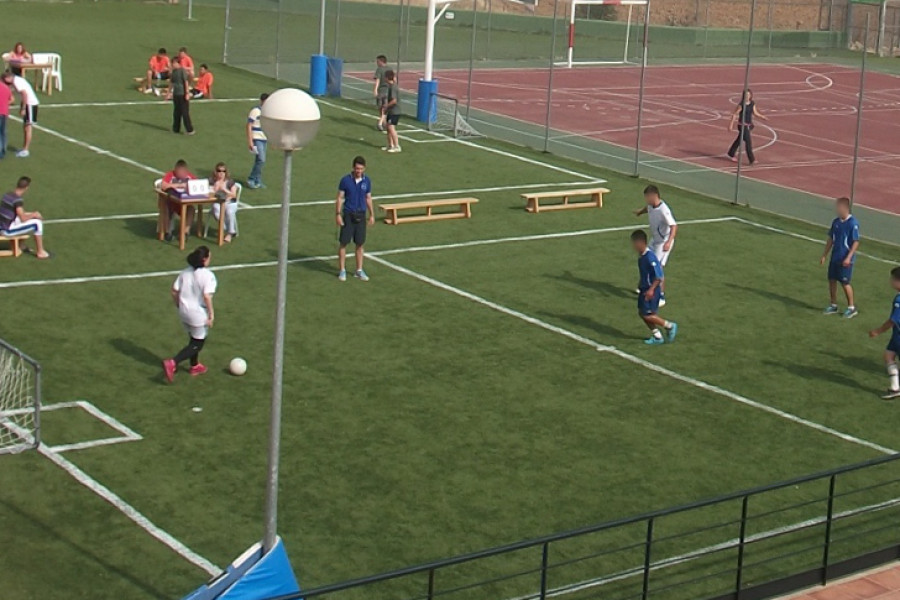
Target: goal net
{"points": [[629, 50], [448, 118], [20, 400]]}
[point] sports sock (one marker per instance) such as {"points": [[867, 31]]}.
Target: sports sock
{"points": [[894, 376], [851, 307], [668, 325], [655, 333]]}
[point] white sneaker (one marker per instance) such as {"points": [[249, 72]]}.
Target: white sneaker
{"points": [[386, 148], [342, 276], [394, 150], [23, 154]]}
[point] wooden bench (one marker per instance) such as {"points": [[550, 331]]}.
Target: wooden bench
{"points": [[464, 210], [15, 250], [533, 199]]}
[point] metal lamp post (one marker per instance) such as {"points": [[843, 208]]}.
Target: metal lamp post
{"points": [[290, 119]]}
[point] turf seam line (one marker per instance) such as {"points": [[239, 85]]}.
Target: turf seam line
{"points": [[328, 257], [126, 509], [634, 359]]}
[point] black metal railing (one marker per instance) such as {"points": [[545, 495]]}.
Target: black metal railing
{"points": [[746, 545]]}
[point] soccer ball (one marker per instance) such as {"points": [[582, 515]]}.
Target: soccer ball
{"points": [[237, 366]]}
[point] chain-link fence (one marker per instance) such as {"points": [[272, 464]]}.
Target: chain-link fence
{"points": [[661, 106]]}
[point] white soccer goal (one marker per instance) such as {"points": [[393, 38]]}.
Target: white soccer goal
{"points": [[448, 118], [633, 15], [20, 400]]}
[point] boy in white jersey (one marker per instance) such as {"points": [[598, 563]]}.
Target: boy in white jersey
{"points": [[663, 228]]}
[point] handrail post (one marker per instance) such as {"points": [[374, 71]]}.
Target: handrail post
{"points": [[645, 590], [545, 556], [430, 584], [742, 538], [828, 520]]}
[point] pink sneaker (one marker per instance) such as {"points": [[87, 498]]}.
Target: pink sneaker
{"points": [[198, 370], [169, 369]]}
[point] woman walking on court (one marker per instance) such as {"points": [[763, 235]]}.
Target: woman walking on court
{"points": [[192, 293], [743, 116]]}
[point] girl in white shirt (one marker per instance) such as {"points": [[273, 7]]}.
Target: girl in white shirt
{"points": [[192, 293]]}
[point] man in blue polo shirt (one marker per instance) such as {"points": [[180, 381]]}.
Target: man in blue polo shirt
{"points": [[843, 242], [354, 203]]}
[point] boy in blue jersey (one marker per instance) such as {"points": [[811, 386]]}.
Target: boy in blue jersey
{"points": [[893, 347], [843, 242], [649, 287]]}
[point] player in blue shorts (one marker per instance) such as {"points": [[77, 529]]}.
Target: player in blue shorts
{"points": [[893, 347], [651, 273], [843, 242]]}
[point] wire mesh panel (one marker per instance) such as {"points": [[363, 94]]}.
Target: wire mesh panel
{"points": [[19, 400]]}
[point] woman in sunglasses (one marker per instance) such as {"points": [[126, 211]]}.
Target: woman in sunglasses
{"points": [[225, 188]]}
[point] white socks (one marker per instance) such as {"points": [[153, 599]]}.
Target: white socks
{"points": [[894, 375]]}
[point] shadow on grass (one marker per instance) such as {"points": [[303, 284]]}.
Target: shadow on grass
{"points": [[143, 227], [787, 301], [84, 551], [819, 374], [145, 124], [588, 323], [602, 287], [135, 352], [874, 365]]}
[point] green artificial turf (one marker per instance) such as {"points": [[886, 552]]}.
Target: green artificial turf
{"points": [[418, 423]]}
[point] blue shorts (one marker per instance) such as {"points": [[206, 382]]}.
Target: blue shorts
{"points": [[648, 307], [894, 345], [838, 272]]}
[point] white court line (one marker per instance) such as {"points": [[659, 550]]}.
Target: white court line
{"points": [[144, 103], [117, 502], [128, 434], [726, 545], [634, 359], [327, 257], [501, 188]]}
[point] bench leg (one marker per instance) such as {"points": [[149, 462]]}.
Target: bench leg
{"points": [[599, 200], [467, 210], [16, 248]]}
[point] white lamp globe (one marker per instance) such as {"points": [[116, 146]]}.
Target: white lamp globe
{"points": [[290, 119]]}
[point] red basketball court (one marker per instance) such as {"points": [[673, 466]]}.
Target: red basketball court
{"points": [[807, 144]]}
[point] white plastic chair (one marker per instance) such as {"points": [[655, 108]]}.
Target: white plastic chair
{"points": [[212, 215], [51, 76]]}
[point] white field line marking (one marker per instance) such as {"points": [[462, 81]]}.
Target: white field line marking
{"points": [[327, 257], [535, 237], [97, 149], [501, 188], [726, 545], [807, 238], [634, 359], [144, 103], [126, 509], [497, 151], [128, 434]]}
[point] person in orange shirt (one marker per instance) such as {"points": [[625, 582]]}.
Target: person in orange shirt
{"points": [[159, 69], [204, 84], [187, 63]]}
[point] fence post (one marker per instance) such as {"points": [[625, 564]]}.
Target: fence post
{"points": [[645, 589], [826, 549], [742, 538], [545, 556], [430, 595], [549, 113]]}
